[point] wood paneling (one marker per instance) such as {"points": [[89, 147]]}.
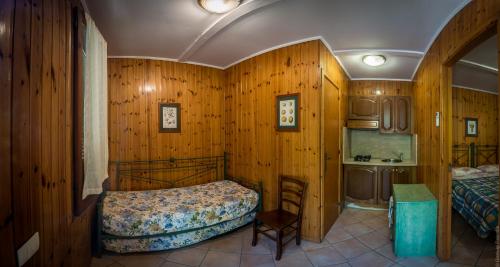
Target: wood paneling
{"points": [[7, 252], [473, 104], [387, 88], [256, 150], [137, 86], [433, 94], [41, 134]]}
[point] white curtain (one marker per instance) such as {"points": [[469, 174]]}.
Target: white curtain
{"points": [[95, 110]]}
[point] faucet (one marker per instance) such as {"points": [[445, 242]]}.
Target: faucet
{"points": [[401, 156]]}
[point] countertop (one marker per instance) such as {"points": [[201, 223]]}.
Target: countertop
{"points": [[378, 162]]}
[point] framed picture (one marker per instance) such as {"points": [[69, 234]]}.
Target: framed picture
{"points": [[471, 127], [170, 118], [287, 112]]}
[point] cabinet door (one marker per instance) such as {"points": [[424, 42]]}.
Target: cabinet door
{"points": [[363, 108], [387, 112], [403, 175], [403, 114], [385, 178], [360, 183]]}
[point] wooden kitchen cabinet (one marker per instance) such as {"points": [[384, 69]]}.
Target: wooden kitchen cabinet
{"points": [[360, 183], [363, 108], [396, 114], [387, 176]]}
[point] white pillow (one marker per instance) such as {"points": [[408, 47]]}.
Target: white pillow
{"points": [[464, 171], [491, 168]]}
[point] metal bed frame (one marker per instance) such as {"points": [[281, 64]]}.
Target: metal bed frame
{"points": [[185, 170], [473, 155]]}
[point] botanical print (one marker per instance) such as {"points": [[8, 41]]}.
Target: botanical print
{"points": [[169, 117], [287, 112]]}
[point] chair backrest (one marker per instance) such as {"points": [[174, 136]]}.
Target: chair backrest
{"points": [[291, 192]]}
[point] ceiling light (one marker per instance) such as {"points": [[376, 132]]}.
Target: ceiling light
{"points": [[374, 60], [219, 6]]}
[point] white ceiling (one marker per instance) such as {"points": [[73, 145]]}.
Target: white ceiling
{"points": [[182, 31], [478, 70]]}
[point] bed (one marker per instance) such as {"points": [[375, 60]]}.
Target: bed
{"points": [[172, 213], [475, 186]]}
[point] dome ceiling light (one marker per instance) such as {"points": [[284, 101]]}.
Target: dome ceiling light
{"points": [[219, 6], [374, 60]]}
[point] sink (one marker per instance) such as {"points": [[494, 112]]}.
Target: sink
{"points": [[392, 160]]}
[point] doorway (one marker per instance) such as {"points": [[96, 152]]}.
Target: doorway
{"points": [[457, 140], [331, 157]]}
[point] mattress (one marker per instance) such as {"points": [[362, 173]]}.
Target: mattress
{"points": [[175, 240], [476, 199], [146, 213]]}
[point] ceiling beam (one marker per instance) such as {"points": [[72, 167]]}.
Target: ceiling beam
{"points": [[246, 8]]}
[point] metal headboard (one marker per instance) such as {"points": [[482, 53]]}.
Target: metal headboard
{"points": [[173, 172], [473, 155]]}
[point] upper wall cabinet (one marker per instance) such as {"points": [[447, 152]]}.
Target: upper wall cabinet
{"points": [[363, 108], [396, 114]]}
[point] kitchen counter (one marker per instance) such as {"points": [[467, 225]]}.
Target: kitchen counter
{"points": [[379, 162]]}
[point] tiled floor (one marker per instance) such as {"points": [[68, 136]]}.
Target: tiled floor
{"points": [[358, 238]]}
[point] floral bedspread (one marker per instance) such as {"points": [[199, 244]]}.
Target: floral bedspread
{"points": [[175, 240], [143, 213]]}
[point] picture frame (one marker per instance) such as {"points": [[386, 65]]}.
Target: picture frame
{"points": [[471, 127], [287, 113], [169, 117]]}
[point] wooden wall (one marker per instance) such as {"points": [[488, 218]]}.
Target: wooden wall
{"points": [[137, 86], [41, 134], [256, 150], [431, 89], [389, 88], [474, 104]]}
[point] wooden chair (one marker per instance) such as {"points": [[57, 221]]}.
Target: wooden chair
{"points": [[283, 221]]}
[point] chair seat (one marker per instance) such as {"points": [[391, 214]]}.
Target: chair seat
{"points": [[277, 219]]}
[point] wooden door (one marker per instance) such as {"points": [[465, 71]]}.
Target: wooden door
{"points": [[385, 178], [331, 183], [402, 175], [360, 183], [363, 108], [387, 114], [403, 114]]}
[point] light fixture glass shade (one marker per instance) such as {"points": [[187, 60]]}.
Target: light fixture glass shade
{"points": [[219, 6], [374, 60]]}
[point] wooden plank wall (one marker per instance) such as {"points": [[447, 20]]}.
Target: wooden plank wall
{"points": [[7, 252], [256, 150], [42, 135], [430, 95], [137, 86], [474, 104], [389, 88]]}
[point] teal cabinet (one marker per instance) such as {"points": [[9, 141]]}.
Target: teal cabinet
{"points": [[415, 218]]}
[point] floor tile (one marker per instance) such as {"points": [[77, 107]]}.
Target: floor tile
{"points": [[308, 245], [487, 258], [187, 256], [451, 264], [325, 256], [340, 265], [172, 264], [387, 252], [227, 244], [293, 260], [351, 248], [374, 240], [371, 259], [337, 235], [463, 255], [142, 260], [418, 261], [257, 261], [260, 248], [375, 223], [221, 259], [100, 262], [357, 229]]}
